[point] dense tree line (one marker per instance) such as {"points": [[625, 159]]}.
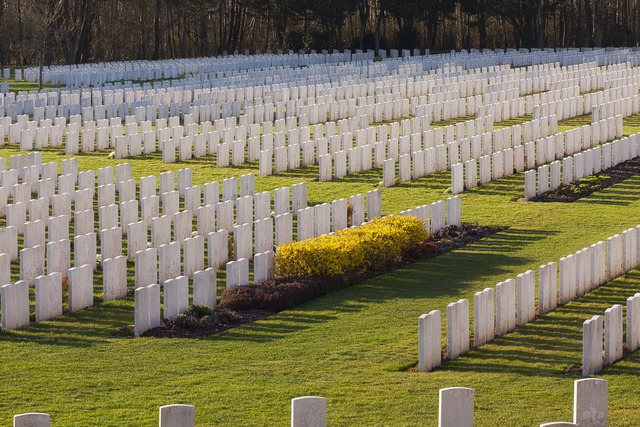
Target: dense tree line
{"points": [[78, 31]]}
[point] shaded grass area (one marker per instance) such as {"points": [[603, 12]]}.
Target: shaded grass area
{"points": [[353, 346]]}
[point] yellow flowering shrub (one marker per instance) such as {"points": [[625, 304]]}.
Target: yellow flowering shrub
{"points": [[377, 243]]}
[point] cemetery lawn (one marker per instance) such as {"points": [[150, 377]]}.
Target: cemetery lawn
{"points": [[357, 346]]}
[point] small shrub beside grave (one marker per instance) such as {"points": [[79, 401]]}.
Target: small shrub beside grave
{"points": [[380, 242], [287, 292]]}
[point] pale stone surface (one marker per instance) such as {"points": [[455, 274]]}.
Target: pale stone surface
{"points": [[483, 317], [224, 212], [127, 191], [374, 204], [633, 322], [177, 416], [58, 256], [206, 217], [211, 193], [389, 173], [106, 195], [136, 238], [454, 210], [590, 400], [438, 215], [38, 209], [338, 215], [614, 256], [48, 296], [80, 287], [146, 267], [284, 229], [5, 269], [182, 226], [599, 263], [322, 219], [237, 273], [17, 216], [263, 235], [457, 178], [242, 240], [309, 411], [526, 302], [84, 250], [176, 296], [456, 407], [14, 305], [150, 208], [281, 200], [505, 306], [547, 288], [114, 278], [32, 264], [568, 286], [83, 222], [34, 233], [111, 242], [592, 357], [192, 199], [194, 254], [263, 264], [128, 214], [357, 214], [306, 224], [218, 248], [629, 250], [147, 308], [205, 288], [430, 341], [457, 328], [543, 179], [244, 210], [169, 266], [558, 424], [147, 186], [262, 205], [32, 419], [404, 168], [613, 334], [298, 196], [170, 203]]}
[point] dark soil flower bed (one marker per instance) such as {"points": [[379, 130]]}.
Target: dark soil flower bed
{"points": [[244, 304], [574, 191]]}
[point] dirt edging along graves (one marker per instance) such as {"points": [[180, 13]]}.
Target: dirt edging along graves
{"points": [[584, 187]]}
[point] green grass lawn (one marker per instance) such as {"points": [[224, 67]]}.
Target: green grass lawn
{"points": [[353, 347]]}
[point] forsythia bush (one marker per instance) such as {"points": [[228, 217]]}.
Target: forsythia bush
{"points": [[376, 243]]}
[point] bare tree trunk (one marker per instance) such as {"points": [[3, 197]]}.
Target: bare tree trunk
{"points": [[183, 39], [597, 28], [158, 43], [540, 24], [378, 25]]}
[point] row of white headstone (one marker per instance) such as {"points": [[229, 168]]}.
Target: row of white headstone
{"points": [[176, 298], [578, 274], [455, 409], [149, 70], [163, 260], [581, 165], [130, 99], [89, 144], [593, 357], [521, 157]]}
